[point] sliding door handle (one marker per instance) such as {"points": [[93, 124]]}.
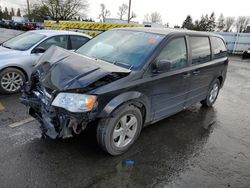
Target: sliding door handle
{"points": [[186, 75], [196, 72]]}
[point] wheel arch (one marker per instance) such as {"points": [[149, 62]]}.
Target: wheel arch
{"points": [[220, 78], [130, 98], [18, 68]]}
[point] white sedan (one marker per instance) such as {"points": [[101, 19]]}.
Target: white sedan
{"points": [[18, 55]]}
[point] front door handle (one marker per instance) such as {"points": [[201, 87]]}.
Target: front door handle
{"points": [[186, 75], [196, 72]]}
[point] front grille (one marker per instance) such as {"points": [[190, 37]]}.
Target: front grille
{"points": [[44, 96], [48, 90]]}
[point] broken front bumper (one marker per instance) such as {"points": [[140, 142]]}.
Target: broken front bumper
{"points": [[55, 122]]}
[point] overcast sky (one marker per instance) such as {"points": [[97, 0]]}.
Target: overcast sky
{"points": [[173, 12]]}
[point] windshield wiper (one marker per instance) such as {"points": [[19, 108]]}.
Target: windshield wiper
{"points": [[6, 46], [125, 65], [119, 63]]}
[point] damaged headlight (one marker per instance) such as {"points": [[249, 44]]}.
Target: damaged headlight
{"points": [[75, 102]]}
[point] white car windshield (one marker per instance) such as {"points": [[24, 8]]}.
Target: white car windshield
{"points": [[129, 49], [24, 41]]}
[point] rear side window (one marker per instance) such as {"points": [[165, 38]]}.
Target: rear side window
{"points": [[61, 41], [78, 41], [219, 47], [176, 53], [201, 51]]}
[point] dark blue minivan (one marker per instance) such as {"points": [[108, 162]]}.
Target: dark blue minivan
{"points": [[123, 80]]}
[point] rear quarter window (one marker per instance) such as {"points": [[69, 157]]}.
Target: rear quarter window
{"points": [[219, 48], [200, 48], [78, 41]]}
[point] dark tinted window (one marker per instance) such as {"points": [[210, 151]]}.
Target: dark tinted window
{"points": [[61, 41], [78, 41], [176, 53], [200, 47], [219, 47]]}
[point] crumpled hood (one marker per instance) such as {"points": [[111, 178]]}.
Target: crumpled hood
{"points": [[6, 53], [62, 70]]}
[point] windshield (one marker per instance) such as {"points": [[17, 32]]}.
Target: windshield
{"points": [[23, 41], [129, 49]]}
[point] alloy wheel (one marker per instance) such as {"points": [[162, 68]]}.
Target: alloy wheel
{"points": [[11, 81], [125, 130], [213, 93]]}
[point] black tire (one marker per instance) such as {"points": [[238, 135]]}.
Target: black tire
{"points": [[245, 55], [10, 70], [207, 102], [106, 127]]}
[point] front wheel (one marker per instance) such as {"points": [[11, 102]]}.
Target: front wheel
{"points": [[212, 94], [118, 133], [11, 80]]}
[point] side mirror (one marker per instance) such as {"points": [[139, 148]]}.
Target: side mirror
{"points": [[38, 50], [162, 66]]}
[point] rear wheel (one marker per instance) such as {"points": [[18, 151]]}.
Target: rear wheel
{"points": [[212, 94], [118, 133], [245, 55], [11, 80]]}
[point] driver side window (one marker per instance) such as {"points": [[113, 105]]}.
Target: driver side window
{"points": [[175, 52], [61, 41]]}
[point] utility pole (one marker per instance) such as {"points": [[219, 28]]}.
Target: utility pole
{"points": [[28, 6], [129, 9]]}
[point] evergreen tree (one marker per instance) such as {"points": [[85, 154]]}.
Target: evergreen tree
{"points": [[12, 13], [1, 13], [196, 25], [203, 23], [18, 12], [211, 23], [188, 23], [221, 23], [6, 14]]}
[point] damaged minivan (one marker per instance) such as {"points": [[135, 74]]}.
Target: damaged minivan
{"points": [[123, 80]]}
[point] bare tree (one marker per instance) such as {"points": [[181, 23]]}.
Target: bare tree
{"points": [[63, 9], [133, 15], [123, 10], [229, 21], [38, 12], [246, 24], [154, 17], [241, 23], [104, 12]]}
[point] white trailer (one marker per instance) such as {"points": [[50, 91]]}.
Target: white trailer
{"points": [[19, 19], [237, 43]]}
